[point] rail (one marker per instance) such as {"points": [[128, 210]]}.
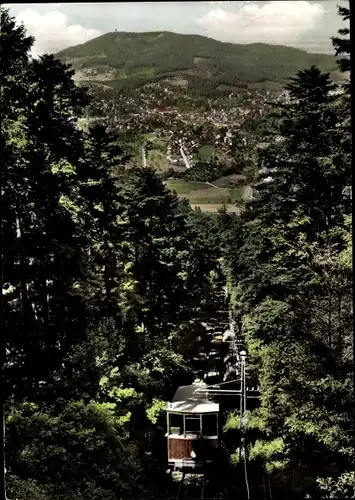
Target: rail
{"points": [[244, 392], [184, 485], [238, 358], [180, 485]]}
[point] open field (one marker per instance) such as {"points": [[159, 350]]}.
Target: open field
{"points": [[207, 152], [207, 197], [214, 195], [159, 144], [229, 181], [185, 187], [156, 159], [149, 137], [210, 207]]}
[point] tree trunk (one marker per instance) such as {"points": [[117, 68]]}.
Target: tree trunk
{"points": [[264, 486], [269, 483], [330, 321]]}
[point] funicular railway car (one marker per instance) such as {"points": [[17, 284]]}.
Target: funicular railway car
{"points": [[192, 428]]}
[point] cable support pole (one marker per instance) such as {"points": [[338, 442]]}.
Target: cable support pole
{"points": [[243, 423], [2, 345]]}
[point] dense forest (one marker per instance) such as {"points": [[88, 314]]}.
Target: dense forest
{"points": [[107, 280]]}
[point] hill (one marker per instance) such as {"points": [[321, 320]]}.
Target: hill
{"points": [[122, 57]]}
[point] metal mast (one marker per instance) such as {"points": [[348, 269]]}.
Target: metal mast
{"points": [[244, 393], [2, 352], [243, 407]]}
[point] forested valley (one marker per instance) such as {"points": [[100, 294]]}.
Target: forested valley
{"points": [[108, 279]]}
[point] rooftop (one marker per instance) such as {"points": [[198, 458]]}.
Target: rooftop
{"points": [[186, 400]]}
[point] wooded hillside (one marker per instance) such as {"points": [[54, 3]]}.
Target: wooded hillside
{"points": [[154, 54]]}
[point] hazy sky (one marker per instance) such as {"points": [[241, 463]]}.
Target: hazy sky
{"points": [[303, 24]]}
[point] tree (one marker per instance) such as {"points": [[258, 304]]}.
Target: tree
{"points": [[342, 45], [302, 172], [42, 248], [14, 51], [75, 446], [156, 253], [292, 293], [97, 202]]}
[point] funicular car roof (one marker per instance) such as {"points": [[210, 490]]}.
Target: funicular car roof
{"points": [[186, 400]]}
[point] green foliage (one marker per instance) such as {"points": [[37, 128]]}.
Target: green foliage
{"points": [[30, 489], [306, 126], [290, 271], [208, 171], [345, 256], [39, 234], [232, 422], [109, 278], [158, 408], [341, 487], [256, 419], [90, 435], [103, 287], [266, 449], [342, 45], [235, 457]]}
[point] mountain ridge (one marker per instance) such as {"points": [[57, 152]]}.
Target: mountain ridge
{"points": [[120, 55]]}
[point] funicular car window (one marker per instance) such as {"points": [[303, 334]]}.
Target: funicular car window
{"points": [[192, 424], [176, 424], [209, 425]]}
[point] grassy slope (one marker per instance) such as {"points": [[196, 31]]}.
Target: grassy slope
{"points": [[185, 187], [210, 207], [156, 159], [147, 55], [204, 194]]}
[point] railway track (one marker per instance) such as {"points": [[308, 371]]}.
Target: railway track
{"points": [[191, 486], [219, 345]]}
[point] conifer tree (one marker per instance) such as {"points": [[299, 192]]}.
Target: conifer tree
{"points": [[154, 232], [343, 105], [342, 45], [292, 293], [40, 249], [298, 173]]}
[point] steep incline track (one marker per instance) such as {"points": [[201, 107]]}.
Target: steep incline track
{"points": [[192, 486]]}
